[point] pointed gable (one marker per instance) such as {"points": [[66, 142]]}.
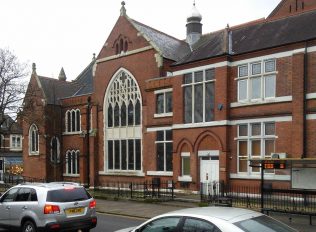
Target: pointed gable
{"points": [[289, 7], [169, 47], [128, 35], [124, 37]]}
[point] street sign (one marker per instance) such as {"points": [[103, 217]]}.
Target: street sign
{"points": [[274, 164]]}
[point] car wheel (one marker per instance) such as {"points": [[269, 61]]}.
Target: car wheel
{"points": [[29, 226]]}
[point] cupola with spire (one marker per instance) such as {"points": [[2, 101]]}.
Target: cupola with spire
{"points": [[194, 26], [62, 75]]}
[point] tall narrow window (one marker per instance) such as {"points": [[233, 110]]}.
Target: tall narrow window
{"points": [[123, 127], [164, 150], [72, 162], [33, 140], [1, 141], [199, 96], [73, 121], [68, 121], [78, 128], [55, 150]]}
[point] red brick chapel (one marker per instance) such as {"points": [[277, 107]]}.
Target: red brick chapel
{"points": [[153, 106]]}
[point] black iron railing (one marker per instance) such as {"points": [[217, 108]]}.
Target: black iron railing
{"points": [[144, 190], [294, 201]]}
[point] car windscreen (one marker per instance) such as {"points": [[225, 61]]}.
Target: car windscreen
{"points": [[263, 224], [67, 195]]}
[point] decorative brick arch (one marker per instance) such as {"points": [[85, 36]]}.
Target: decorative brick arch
{"points": [[204, 135], [182, 143]]}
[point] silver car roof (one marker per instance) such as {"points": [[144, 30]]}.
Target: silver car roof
{"points": [[51, 185], [224, 213]]}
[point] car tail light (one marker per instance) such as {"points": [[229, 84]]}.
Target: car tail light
{"points": [[94, 220], [54, 226], [92, 204], [51, 209]]}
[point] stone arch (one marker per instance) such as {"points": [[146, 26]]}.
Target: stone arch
{"points": [[202, 138], [183, 143], [122, 123]]}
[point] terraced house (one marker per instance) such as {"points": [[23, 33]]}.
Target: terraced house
{"points": [[153, 106]]}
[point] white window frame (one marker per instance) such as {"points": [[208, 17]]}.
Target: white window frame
{"points": [[123, 83], [164, 114], [249, 138], [164, 142], [13, 144], [71, 172], [69, 118], [250, 77], [33, 128], [193, 84], [185, 178]]}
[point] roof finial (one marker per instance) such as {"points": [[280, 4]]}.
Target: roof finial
{"points": [[93, 56], [62, 75], [33, 68], [123, 10], [194, 3]]}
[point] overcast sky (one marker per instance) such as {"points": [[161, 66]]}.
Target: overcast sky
{"points": [[65, 33]]}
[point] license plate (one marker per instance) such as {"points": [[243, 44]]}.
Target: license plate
{"points": [[74, 211]]}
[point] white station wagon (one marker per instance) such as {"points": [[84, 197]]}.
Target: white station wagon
{"points": [[211, 219]]}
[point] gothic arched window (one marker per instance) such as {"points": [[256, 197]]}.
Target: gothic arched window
{"points": [[33, 140], [122, 111], [73, 121], [72, 162], [55, 150]]}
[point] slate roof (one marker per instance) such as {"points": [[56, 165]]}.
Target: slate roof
{"points": [[209, 45], [170, 47], [275, 33], [55, 90], [262, 35]]}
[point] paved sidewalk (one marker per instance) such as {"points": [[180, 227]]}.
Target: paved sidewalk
{"points": [[148, 210]]}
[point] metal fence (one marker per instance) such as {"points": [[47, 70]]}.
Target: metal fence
{"points": [[133, 190], [295, 201]]}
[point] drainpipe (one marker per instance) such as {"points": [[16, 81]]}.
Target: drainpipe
{"points": [[88, 139], [305, 103]]}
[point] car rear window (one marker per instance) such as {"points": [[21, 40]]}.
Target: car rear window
{"points": [[263, 224], [67, 195]]}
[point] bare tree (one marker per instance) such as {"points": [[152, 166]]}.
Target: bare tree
{"points": [[12, 84]]}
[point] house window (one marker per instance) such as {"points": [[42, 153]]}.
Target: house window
{"points": [[257, 81], [185, 157], [164, 150], [72, 162], [124, 155], [254, 140], [55, 150], [123, 124], [164, 102], [121, 45], [199, 96], [16, 142], [73, 121], [33, 140]]}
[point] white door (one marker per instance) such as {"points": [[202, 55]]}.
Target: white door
{"points": [[209, 173], [209, 170]]}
